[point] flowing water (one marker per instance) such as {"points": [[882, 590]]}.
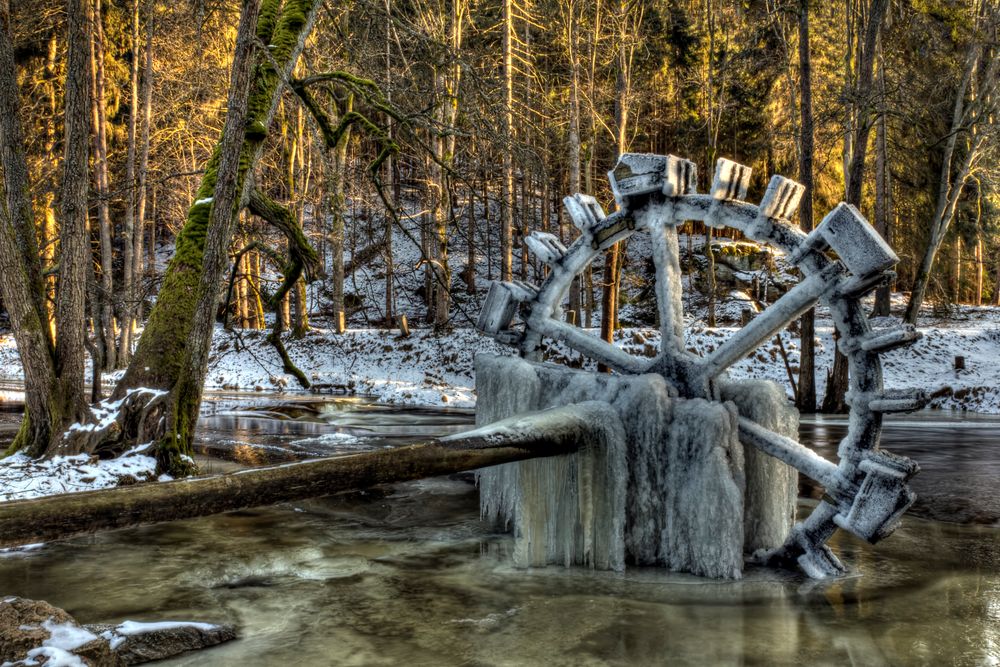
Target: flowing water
{"points": [[408, 575]]}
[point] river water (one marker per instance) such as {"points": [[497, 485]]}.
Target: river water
{"points": [[408, 575]]}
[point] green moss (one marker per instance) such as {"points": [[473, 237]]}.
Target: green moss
{"points": [[20, 438], [256, 131], [174, 449], [267, 19]]}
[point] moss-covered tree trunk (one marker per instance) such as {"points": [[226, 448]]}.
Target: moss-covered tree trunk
{"points": [[167, 358]]}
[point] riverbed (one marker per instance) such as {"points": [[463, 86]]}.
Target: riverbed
{"points": [[409, 575]]}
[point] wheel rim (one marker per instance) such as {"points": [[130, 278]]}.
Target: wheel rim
{"points": [[867, 490]]}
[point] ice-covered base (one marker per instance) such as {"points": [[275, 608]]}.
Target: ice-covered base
{"points": [[681, 492]]}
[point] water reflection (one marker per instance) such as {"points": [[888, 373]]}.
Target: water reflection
{"points": [[958, 453], [413, 578], [298, 427]]}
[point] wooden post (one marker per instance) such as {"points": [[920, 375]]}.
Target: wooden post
{"points": [[746, 315], [548, 433], [339, 322], [571, 316], [404, 326], [959, 363]]}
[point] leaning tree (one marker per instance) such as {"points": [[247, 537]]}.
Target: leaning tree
{"points": [[158, 398]]}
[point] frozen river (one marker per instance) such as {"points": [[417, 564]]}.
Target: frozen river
{"points": [[408, 575]]}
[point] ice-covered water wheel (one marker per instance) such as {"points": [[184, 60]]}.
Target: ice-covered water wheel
{"points": [[867, 492]]}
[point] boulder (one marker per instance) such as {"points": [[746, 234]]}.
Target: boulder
{"points": [[135, 643], [33, 632], [741, 255]]}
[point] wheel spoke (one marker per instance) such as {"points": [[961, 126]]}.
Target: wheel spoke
{"points": [[795, 302], [591, 346], [803, 459], [666, 259]]}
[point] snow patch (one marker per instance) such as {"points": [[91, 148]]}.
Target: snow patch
{"points": [[129, 628], [48, 656], [22, 477], [66, 636]]}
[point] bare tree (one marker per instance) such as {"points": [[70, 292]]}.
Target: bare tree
{"points": [[507, 120], [973, 120], [805, 398], [864, 25]]}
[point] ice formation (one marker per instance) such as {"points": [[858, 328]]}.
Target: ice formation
{"points": [[672, 494]]}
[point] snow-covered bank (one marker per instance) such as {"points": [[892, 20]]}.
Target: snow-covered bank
{"points": [[427, 369], [22, 477]]}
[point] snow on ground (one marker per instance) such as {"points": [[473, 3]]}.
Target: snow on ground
{"points": [[425, 369], [22, 477]]}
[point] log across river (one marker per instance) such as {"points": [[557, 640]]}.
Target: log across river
{"points": [[548, 433]]}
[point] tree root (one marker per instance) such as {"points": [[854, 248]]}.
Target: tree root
{"points": [[116, 425]]}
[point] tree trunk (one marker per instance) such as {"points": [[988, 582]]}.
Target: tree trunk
{"points": [[448, 86], [125, 320], [67, 397], [135, 306], [507, 128], [572, 30], [623, 92], [470, 240], [857, 148], [22, 288], [50, 228], [980, 264], [883, 188], [805, 398], [105, 329], [996, 285], [335, 165], [967, 116], [392, 170], [158, 357], [185, 395], [173, 351]]}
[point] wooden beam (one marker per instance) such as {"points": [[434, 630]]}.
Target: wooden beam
{"points": [[549, 433]]}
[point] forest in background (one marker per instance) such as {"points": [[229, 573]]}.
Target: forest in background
{"points": [[462, 125]]}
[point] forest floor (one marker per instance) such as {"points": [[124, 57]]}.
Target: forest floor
{"points": [[426, 369]]}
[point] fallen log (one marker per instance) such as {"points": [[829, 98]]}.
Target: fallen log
{"points": [[548, 433]]}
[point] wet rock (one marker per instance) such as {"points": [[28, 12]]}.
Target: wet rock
{"points": [[33, 632], [136, 643]]}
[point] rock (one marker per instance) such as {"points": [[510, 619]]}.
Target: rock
{"points": [[741, 255], [36, 633], [31, 631], [135, 643]]}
